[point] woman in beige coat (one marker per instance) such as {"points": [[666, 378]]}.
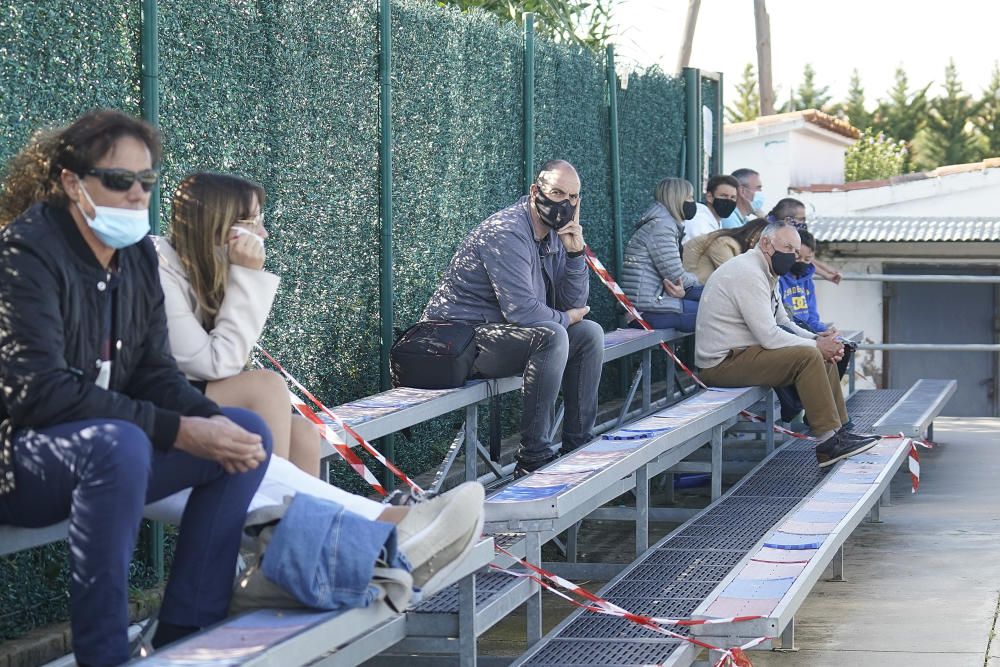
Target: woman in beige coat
{"points": [[708, 252], [217, 297]]}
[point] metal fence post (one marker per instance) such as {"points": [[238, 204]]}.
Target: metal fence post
{"points": [[693, 129], [528, 101], [385, 293], [150, 96]]}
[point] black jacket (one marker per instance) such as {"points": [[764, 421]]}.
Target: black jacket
{"points": [[53, 296]]}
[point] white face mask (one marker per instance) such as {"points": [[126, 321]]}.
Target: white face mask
{"points": [[116, 227], [242, 231]]}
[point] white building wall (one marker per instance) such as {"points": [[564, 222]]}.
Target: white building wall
{"points": [[815, 159]]}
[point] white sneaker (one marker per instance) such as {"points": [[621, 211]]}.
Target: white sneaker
{"points": [[436, 535]]}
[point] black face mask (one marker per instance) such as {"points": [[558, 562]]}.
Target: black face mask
{"points": [[782, 262], [724, 207], [689, 209], [799, 269], [555, 214]]}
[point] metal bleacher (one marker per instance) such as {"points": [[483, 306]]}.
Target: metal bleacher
{"points": [[688, 573]]}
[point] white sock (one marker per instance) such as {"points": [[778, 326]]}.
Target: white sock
{"points": [[823, 437]]}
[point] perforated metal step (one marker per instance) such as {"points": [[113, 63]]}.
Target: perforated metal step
{"points": [[673, 577]]}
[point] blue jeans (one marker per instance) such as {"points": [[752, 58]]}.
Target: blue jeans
{"points": [[682, 321], [549, 356], [100, 473]]}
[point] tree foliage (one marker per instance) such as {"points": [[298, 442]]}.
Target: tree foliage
{"points": [[902, 114], [950, 135], [588, 23], [747, 104], [853, 109], [874, 156], [808, 95], [988, 120]]}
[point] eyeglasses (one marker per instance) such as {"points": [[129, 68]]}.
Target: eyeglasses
{"points": [[121, 180], [559, 194], [257, 221], [796, 223]]}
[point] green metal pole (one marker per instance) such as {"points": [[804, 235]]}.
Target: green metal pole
{"points": [[150, 93], [692, 94], [385, 294], [719, 128], [529, 100], [616, 178]]}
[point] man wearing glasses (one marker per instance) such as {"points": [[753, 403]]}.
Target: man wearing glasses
{"points": [[521, 278], [743, 336]]}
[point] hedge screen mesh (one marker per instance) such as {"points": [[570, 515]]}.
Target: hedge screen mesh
{"points": [[287, 94]]}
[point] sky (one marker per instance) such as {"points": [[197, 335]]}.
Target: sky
{"points": [[874, 36]]}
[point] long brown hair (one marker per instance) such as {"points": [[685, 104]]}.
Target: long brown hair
{"points": [[33, 175], [205, 206], [746, 235]]}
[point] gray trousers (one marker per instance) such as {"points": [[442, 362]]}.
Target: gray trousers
{"points": [[549, 356]]}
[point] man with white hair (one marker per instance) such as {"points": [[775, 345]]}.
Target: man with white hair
{"points": [[744, 337]]}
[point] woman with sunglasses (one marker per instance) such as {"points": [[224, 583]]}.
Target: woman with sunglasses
{"points": [[218, 297], [96, 418]]}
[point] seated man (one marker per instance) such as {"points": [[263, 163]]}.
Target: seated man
{"points": [[97, 420], [741, 339], [521, 276]]}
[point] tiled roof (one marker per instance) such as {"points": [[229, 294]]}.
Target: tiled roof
{"points": [[904, 229], [824, 120]]}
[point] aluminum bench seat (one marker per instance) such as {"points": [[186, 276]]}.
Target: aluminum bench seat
{"points": [[281, 637]]}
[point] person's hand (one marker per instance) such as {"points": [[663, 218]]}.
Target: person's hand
{"points": [[577, 314], [219, 439], [675, 290], [572, 234], [829, 347], [246, 249], [836, 277]]}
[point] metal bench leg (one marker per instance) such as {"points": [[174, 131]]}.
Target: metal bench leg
{"points": [[449, 460], [471, 440], [838, 565], [769, 406], [572, 535], [557, 422], [325, 470], [534, 604], [886, 499], [467, 622], [671, 378], [668, 488], [930, 431], [788, 638], [875, 516], [636, 379], [647, 380], [641, 510], [716, 462], [851, 382]]}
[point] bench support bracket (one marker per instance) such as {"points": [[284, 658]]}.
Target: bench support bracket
{"points": [[838, 566], [788, 639]]}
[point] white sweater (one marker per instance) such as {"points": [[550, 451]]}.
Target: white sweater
{"points": [[225, 350], [740, 307]]}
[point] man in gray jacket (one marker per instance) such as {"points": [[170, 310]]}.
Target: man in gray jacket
{"points": [[744, 337], [520, 276]]}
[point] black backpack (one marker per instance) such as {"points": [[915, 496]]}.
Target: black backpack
{"points": [[433, 355]]}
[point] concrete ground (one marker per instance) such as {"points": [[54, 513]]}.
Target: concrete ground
{"points": [[923, 585]]}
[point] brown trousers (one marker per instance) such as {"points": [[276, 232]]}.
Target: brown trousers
{"points": [[817, 381]]}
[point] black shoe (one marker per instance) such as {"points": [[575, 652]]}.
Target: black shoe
{"points": [[524, 469], [856, 437], [841, 445]]}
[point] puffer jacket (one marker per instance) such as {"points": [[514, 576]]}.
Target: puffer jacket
{"points": [[652, 254], [705, 254]]}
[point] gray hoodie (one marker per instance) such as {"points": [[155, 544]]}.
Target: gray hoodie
{"points": [[496, 275]]}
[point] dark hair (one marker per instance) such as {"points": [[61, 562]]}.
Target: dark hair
{"points": [[746, 235], [33, 174], [785, 208], [721, 179], [744, 173], [808, 240]]}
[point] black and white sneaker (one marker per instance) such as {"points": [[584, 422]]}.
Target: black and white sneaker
{"points": [[842, 445]]}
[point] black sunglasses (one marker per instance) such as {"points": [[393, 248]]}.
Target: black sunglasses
{"points": [[122, 179]]}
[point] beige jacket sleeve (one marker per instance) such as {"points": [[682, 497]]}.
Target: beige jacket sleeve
{"points": [[223, 351]]}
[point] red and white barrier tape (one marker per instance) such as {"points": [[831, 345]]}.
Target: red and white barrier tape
{"points": [[347, 429], [598, 605], [602, 273], [327, 433], [914, 463]]}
